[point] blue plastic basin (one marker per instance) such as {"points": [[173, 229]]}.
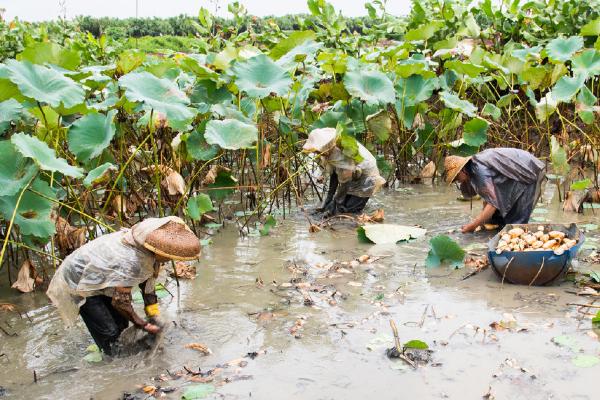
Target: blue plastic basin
{"points": [[533, 267]]}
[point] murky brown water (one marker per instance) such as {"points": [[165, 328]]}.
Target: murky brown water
{"points": [[340, 350]]}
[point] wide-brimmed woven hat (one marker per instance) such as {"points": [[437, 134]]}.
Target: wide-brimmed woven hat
{"points": [[453, 165], [320, 140], [174, 241]]}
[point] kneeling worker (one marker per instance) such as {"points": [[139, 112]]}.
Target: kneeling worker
{"points": [[351, 183], [95, 281], [508, 180]]}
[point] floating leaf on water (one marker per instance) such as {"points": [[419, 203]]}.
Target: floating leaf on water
{"points": [[388, 233], [94, 357], [540, 211], [591, 205], [92, 348], [270, 222], [199, 391], [585, 361], [443, 249], [416, 344], [567, 341], [589, 227], [213, 225], [205, 242]]}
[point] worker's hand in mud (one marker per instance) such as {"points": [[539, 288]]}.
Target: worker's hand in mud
{"points": [[469, 228], [152, 329]]}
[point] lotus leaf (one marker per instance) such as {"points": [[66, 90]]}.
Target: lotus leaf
{"points": [[198, 205], [592, 28], [197, 147], [44, 84], [566, 88], [158, 94], [373, 87], [475, 132], [454, 102], [91, 134], [223, 186], [43, 156], [562, 49], [231, 134], [33, 213], [415, 89], [295, 39], [380, 124], [389, 233], [15, 170], [492, 111], [546, 107], [465, 68], [423, 32], [10, 110], [259, 77], [51, 53], [444, 249], [98, 174], [587, 63], [199, 391], [558, 156]]}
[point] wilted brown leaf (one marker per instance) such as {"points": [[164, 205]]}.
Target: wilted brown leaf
{"points": [[68, 238], [377, 216], [573, 201], [174, 183], [25, 282], [210, 177], [266, 156], [149, 389], [428, 171], [185, 270], [314, 228], [7, 307], [199, 347]]}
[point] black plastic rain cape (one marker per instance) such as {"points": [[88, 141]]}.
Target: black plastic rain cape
{"points": [[508, 179]]}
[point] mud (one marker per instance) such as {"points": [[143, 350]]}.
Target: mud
{"points": [[330, 349]]}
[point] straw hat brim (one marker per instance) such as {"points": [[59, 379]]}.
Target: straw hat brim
{"points": [[174, 241], [451, 175]]}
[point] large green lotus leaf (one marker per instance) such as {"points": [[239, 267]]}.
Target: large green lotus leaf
{"points": [[130, 60], [423, 32], [33, 214], [443, 249], [389, 233], [558, 156], [195, 63], [525, 53], [562, 49], [380, 124], [475, 132], [259, 77], [301, 53], [207, 92], [586, 105], [10, 110], [157, 94], [567, 87], [197, 147], [44, 84], [415, 89], [225, 57], [373, 87], [296, 38], [231, 134], [587, 63], [198, 205], [51, 53], [454, 102], [465, 68], [349, 146], [15, 170], [99, 174], [91, 134], [218, 191], [43, 156], [592, 28]]}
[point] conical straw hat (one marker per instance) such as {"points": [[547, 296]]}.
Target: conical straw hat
{"points": [[320, 140], [174, 241], [453, 165]]}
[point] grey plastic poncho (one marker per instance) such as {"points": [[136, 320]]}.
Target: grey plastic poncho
{"points": [[357, 179], [508, 179], [114, 260]]}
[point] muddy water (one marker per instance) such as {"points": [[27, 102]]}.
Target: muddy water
{"points": [[339, 350]]}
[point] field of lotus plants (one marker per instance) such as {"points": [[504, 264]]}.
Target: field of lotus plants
{"points": [[93, 137]]}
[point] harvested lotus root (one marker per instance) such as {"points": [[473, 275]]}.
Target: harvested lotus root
{"points": [[519, 239]]}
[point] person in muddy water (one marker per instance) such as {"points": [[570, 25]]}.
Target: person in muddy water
{"points": [[351, 183], [508, 181], [96, 280]]}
